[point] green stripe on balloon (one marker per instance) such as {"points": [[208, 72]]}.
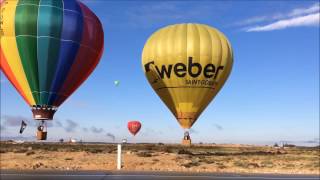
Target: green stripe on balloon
{"points": [[48, 44], [26, 32], [31, 2]]}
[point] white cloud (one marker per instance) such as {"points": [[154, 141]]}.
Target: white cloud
{"points": [[279, 16], [307, 20], [303, 11], [295, 18]]}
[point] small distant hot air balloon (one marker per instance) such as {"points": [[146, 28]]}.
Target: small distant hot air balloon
{"points": [[48, 49], [117, 83], [134, 127], [187, 65]]}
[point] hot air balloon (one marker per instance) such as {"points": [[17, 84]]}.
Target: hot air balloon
{"points": [[116, 83], [48, 49], [187, 65], [134, 127]]}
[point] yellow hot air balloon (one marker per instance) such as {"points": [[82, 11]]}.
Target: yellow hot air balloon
{"points": [[187, 65]]}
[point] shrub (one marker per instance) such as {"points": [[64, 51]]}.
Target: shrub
{"points": [[207, 161], [30, 153], [191, 164], [144, 154], [183, 151], [155, 160], [268, 164], [168, 150], [241, 164], [20, 151], [94, 150]]}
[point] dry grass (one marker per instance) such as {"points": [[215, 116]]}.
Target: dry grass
{"points": [[160, 157]]}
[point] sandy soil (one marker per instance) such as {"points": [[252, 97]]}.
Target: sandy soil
{"points": [[171, 158]]}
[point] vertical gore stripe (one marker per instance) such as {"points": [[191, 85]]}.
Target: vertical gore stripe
{"points": [[8, 72], [50, 20], [87, 57], [26, 37], [71, 39], [9, 48]]}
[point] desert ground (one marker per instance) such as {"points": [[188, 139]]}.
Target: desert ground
{"points": [[161, 157]]}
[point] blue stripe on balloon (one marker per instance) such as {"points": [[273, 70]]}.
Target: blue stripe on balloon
{"points": [[73, 21], [71, 37], [49, 12]]}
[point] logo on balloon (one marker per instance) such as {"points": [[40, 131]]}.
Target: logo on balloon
{"points": [[210, 72]]}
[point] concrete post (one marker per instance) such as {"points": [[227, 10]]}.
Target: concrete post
{"points": [[119, 161]]}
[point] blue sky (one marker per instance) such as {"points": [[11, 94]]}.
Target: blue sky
{"points": [[272, 94]]}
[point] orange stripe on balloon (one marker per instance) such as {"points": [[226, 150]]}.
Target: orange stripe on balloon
{"points": [[7, 71]]}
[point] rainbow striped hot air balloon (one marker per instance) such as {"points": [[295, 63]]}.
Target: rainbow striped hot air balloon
{"points": [[48, 48]]}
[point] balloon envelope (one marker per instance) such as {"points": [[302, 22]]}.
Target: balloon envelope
{"points": [[134, 127], [116, 83], [48, 48], [187, 65]]}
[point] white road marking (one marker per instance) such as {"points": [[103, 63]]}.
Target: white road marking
{"points": [[158, 176]]}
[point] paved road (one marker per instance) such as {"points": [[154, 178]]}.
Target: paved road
{"points": [[123, 175]]}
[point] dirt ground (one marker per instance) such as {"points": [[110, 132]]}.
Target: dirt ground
{"points": [[159, 157]]}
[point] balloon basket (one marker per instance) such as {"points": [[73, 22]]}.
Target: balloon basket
{"points": [[41, 135], [186, 142]]}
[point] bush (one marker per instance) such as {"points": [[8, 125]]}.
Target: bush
{"points": [[165, 149], [30, 153], [144, 154], [155, 160], [241, 164], [207, 161], [95, 150], [183, 151], [253, 165], [149, 147], [191, 164], [268, 164], [289, 145], [20, 151]]}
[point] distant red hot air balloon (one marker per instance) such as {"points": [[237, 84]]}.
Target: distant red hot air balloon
{"points": [[134, 127]]}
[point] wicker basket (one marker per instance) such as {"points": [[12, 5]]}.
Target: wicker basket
{"points": [[186, 142], [41, 135]]}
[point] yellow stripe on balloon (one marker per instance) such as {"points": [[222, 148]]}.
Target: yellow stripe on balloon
{"points": [[9, 47]]}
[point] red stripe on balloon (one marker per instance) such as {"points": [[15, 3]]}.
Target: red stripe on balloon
{"points": [[5, 68], [88, 55]]}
